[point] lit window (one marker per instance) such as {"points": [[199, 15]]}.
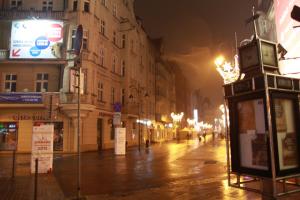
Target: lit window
{"points": [[10, 83], [86, 6], [102, 28], [41, 83], [47, 5]]}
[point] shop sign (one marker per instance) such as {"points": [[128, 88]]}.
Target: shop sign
{"points": [[34, 116], [21, 98], [120, 141], [36, 39], [42, 148]]}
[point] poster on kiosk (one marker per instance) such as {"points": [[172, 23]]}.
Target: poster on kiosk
{"points": [[42, 148]]}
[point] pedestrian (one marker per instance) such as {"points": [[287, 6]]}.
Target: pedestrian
{"points": [[199, 137]]}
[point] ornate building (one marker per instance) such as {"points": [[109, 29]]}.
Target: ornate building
{"points": [[37, 83]]}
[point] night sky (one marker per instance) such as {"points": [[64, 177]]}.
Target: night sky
{"points": [[195, 32]]}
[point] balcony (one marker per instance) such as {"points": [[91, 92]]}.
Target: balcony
{"points": [[25, 14], [4, 54]]}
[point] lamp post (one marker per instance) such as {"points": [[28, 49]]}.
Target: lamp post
{"points": [[177, 117], [140, 92], [229, 74]]}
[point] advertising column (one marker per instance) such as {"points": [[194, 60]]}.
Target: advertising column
{"points": [[42, 148], [120, 133]]}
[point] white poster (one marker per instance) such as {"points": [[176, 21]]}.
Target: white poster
{"points": [[36, 39], [120, 141], [42, 148]]}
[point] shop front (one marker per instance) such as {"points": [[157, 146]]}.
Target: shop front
{"points": [[16, 125]]}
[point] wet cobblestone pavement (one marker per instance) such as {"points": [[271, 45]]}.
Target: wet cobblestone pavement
{"points": [[185, 170]]}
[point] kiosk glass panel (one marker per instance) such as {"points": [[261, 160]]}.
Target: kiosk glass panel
{"points": [[286, 133], [252, 134]]}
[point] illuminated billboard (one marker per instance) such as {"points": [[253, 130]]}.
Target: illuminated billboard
{"points": [[36, 39], [288, 36]]}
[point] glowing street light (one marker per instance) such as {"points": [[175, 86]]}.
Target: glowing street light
{"points": [[229, 72], [176, 120]]}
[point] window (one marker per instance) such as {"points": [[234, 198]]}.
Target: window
{"points": [[85, 39], [100, 91], [103, 2], [73, 38], [132, 45], [75, 5], [114, 10], [114, 37], [16, 4], [8, 135], [102, 28], [123, 68], [10, 83], [47, 5], [41, 83], [123, 41], [112, 97], [86, 6], [114, 62], [102, 54], [123, 97]]}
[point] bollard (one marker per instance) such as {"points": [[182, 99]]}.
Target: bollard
{"points": [[36, 178], [13, 165]]}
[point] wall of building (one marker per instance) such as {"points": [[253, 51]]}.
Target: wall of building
{"points": [[102, 59]]}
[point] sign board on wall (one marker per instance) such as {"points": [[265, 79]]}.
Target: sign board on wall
{"points": [[21, 98], [120, 141], [42, 148], [36, 39], [74, 81], [288, 36]]}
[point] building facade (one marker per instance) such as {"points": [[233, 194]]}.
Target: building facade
{"points": [[117, 64]]}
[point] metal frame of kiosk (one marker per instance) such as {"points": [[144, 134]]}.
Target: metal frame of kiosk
{"points": [[263, 138]]}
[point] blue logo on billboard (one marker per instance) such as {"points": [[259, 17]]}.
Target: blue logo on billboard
{"points": [[34, 51], [42, 42]]}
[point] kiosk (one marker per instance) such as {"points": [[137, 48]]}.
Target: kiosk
{"points": [[264, 130]]}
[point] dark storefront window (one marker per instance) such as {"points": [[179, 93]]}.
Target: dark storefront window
{"points": [[8, 136]]}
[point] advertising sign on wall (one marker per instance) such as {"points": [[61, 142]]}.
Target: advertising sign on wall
{"points": [[120, 141], [288, 36], [36, 39], [21, 98], [42, 148]]}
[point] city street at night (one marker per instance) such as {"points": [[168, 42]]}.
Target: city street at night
{"points": [[149, 100], [185, 170]]}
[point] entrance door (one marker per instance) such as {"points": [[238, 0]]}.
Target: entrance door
{"points": [[99, 133]]}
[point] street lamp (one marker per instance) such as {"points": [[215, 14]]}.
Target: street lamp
{"points": [[229, 72], [140, 93], [177, 117]]}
